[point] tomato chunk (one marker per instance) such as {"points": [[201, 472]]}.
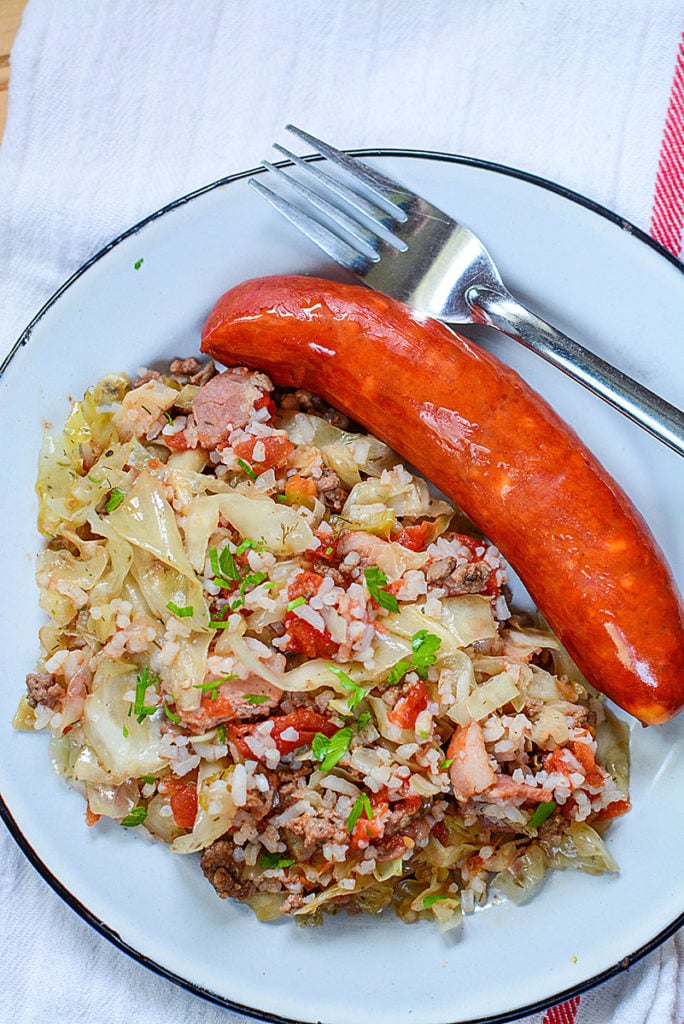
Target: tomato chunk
{"points": [[277, 451], [305, 722], [406, 710], [182, 793], [413, 537]]}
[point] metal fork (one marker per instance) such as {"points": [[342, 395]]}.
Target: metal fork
{"points": [[401, 245]]}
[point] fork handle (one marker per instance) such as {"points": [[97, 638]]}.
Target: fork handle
{"points": [[501, 311]]}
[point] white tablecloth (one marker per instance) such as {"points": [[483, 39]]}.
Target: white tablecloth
{"points": [[119, 106]]}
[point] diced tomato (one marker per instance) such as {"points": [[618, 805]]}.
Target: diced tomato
{"points": [[306, 639], [266, 403], [413, 537], [210, 712], [304, 584], [584, 754], [182, 793], [177, 442], [327, 551], [300, 491], [278, 450], [613, 810], [406, 710], [304, 721]]}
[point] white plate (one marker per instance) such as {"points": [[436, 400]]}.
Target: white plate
{"points": [[597, 279]]}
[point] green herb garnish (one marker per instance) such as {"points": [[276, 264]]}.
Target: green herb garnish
{"points": [[375, 580], [331, 749], [224, 568], [361, 805], [447, 763], [125, 731], [138, 263], [135, 817], [172, 716], [116, 496], [181, 611], [363, 720], [273, 861], [425, 646], [221, 733], [94, 480], [544, 810], [246, 544], [357, 693], [256, 698], [140, 709], [211, 687], [247, 469], [435, 898], [399, 671], [148, 779], [296, 602], [169, 417]]}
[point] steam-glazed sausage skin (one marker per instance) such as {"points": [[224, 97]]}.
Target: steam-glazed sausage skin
{"points": [[497, 449]]}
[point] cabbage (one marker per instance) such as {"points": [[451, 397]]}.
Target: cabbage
{"points": [[338, 446], [215, 807], [187, 670], [612, 750], [489, 696], [465, 620], [104, 717], [521, 878], [581, 847], [162, 826]]}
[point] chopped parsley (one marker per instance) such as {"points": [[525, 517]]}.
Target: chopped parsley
{"points": [[362, 805], [95, 480], [356, 692], [274, 861], [328, 551], [134, 817], [544, 810], [246, 544], [221, 733], [363, 720], [256, 698], [168, 415], [296, 602], [140, 709], [425, 646], [331, 749], [375, 581], [148, 779], [429, 901], [138, 263], [116, 496], [181, 611], [211, 687], [399, 671], [125, 731], [247, 469], [223, 567], [447, 763], [171, 715]]}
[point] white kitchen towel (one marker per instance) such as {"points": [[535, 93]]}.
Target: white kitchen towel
{"points": [[119, 106]]}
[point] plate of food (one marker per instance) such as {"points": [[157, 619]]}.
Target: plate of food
{"points": [[294, 733]]}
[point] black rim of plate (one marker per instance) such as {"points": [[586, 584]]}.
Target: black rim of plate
{"points": [[24, 338]]}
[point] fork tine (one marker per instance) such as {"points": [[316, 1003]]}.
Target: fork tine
{"points": [[367, 239], [389, 192], [338, 250], [338, 188]]}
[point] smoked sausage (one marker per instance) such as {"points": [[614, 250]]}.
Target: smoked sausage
{"points": [[497, 449]]}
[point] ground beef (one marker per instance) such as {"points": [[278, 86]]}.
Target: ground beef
{"points": [[325, 826], [196, 373], [260, 804], [467, 578], [303, 401], [330, 491], [43, 689], [224, 874], [145, 377], [288, 783], [416, 833]]}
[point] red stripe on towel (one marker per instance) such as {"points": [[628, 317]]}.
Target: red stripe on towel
{"points": [[564, 1013], [667, 218]]}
